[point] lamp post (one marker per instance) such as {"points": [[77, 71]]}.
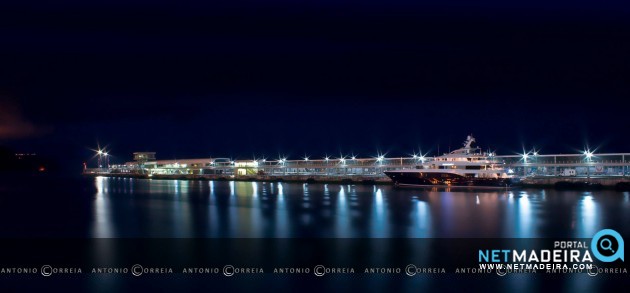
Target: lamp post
{"points": [[379, 160], [525, 157], [100, 158], [589, 156], [284, 169], [106, 159], [353, 170]]}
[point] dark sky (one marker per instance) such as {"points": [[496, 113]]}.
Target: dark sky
{"points": [[244, 78]]}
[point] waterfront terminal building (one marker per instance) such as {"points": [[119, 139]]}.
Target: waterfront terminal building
{"points": [[610, 166]]}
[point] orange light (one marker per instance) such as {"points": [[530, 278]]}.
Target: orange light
{"points": [[42, 169]]}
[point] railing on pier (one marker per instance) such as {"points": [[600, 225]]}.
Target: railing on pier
{"points": [[612, 164]]}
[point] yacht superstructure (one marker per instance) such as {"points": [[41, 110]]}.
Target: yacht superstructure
{"points": [[465, 167]]}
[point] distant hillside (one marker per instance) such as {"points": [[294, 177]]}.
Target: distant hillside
{"points": [[15, 161]]}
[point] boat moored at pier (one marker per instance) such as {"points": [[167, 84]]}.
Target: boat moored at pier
{"points": [[465, 167]]}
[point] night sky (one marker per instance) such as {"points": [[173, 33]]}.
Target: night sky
{"points": [[267, 78]]}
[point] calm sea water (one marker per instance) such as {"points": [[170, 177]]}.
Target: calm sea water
{"points": [[115, 207], [87, 208], [179, 208]]}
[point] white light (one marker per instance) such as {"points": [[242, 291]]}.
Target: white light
{"points": [[535, 153], [264, 160], [327, 158], [415, 156], [525, 156], [105, 154], [353, 157], [100, 152], [342, 160], [305, 159], [422, 158]]}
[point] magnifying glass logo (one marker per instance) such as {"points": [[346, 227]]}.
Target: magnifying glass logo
{"points": [[607, 246], [603, 240]]}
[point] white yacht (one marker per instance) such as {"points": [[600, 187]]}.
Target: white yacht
{"points": [[464, 167]]}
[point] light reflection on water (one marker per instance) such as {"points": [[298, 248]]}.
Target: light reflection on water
{"points": [[181, 209], [102, 211]]}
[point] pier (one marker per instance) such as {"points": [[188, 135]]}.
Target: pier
{"points": [[608, 170]]}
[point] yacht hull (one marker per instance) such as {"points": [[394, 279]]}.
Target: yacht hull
{"points": [[436, 179]]}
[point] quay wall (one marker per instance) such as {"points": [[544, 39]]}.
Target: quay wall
{"points": [[552, 180], [533, 182], [266, 178]]}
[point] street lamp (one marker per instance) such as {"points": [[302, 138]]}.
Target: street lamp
{"points": [[106, 155], [100, 158], [588, 154]]}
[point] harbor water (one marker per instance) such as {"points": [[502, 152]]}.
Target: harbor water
{"points": [[119, 222], [133, 208]]}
